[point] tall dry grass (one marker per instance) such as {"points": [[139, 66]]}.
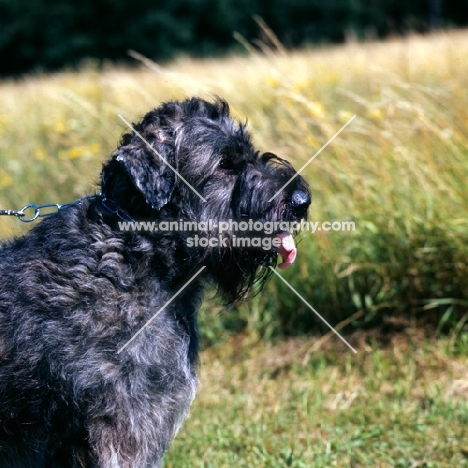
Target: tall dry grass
{"points": [[399, 170]]}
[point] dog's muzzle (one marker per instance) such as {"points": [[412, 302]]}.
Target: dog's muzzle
{"points": [[300, 202]]}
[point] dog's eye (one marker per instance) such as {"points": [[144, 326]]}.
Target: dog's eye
{"points": [[226, 164]]}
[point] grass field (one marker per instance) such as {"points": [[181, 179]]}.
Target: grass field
{"points": [[270, 396], [289, 405]]}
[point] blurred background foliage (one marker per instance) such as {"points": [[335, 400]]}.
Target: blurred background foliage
{"points": [[53, 34], [398, 171]]}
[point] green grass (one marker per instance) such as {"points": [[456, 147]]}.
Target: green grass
{"points": [[288, 405]]}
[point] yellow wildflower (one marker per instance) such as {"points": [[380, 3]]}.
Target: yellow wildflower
{"points": [[343, 116], [374, 114], [5, 179], [95, 148], [312, 141], [301, 86], [272, 82], [76, 152], [40, 154], [3, 120], [316, 109], [60, 126]]}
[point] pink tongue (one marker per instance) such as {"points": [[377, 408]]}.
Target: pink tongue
{"points": [[287, 250]]}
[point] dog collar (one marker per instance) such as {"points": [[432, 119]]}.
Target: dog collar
{"points": [[112, 208]]}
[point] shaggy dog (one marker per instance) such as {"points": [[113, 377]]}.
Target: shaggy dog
{"points": [[98, 317]]}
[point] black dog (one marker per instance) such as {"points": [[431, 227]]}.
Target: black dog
{"points": [[78, 387]]}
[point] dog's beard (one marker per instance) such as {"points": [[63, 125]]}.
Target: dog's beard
{"points": [[239, 273]]}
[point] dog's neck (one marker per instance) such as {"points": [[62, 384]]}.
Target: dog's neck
{"points": [[111, 208]]}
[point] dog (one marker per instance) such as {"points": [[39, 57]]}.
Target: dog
{"points": [[98, 322]]}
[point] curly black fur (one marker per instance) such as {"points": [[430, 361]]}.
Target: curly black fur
{"points": [[77, 288]]}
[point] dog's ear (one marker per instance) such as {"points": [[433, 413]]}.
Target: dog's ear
{"points": [[147, 155], [148, 169]]}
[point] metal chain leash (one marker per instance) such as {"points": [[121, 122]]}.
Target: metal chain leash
{"points": [[31, 211]]}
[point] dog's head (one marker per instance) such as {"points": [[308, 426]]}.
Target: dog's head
{"points": [[191, 161]]}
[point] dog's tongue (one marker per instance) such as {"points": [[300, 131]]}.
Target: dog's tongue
{"points": [[287, 249]]}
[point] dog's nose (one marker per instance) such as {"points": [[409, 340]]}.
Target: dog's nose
{"points": [[300, 200]]}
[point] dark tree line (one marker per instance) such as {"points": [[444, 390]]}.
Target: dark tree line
{"points": [[52, 34]]}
